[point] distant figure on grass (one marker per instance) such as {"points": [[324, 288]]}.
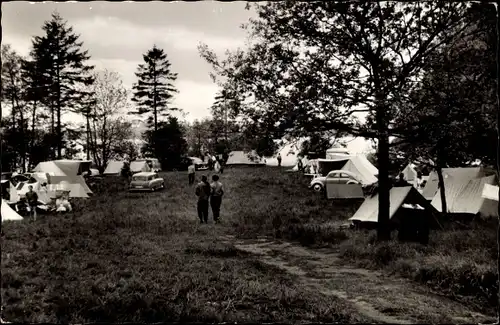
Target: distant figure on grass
{"points": [[401, 182], [216, 192], [300, 165], [32, 200], [203, 193], [191, 173], [221, 164], [279, 160]]}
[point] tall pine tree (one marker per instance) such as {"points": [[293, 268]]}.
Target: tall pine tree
{"points": [[63, 61], [154, 88]]}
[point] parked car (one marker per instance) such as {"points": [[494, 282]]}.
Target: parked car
{"points": [[318, 184], [146, 181]]}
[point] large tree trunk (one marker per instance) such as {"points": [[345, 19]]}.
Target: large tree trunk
{"points": [[442, 189], [59, 132], [88, 136], [383, 226], [498, 160], [33, 122], [155, 111]]}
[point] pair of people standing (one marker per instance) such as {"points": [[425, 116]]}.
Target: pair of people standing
{"points": [[209, 194]]}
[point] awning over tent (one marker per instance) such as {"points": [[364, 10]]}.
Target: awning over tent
{"points": [[114, 168], [8, 214]]}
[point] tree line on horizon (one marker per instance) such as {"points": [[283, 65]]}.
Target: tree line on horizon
{"points": [[56, 78]]}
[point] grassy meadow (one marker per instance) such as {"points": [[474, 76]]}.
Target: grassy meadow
{"points": [[144, 257]]}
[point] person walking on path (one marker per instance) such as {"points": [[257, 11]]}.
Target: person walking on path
{"points": [[32, 200], [217, 191], [203, 193], [191, 173], [279, 160]]}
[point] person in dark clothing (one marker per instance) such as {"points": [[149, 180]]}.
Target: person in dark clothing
{"points": [[32, 200], [400, 182], [279, 160], [216, 194], [191, 173], [203, 193]]}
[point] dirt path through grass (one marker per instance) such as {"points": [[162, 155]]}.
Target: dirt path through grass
{"points": [[379, 297]]}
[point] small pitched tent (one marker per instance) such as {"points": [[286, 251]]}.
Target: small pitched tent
{"points": [[139, 166], [465, 196], [465, 174], [114, 168], [363, 168], [8, 213], [241, 158], [400, 198], [410, 174]]}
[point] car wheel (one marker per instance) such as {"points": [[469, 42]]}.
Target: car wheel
{"points": [[317, 188]]}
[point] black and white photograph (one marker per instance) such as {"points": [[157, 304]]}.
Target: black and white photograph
{"points": [[284, 162]]}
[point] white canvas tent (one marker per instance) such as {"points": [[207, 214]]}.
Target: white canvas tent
{"points": [[75, 190], [363, 168], [8, 213], [400, 197], [49, 167], [466, 196], [139, 166], [114, 168], [244, 158], [465, 174], [410, 175]]}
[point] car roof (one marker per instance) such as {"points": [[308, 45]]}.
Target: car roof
{"points": [[348, 172], [145, 174]]}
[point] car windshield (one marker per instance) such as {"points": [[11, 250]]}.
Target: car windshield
{"points": [[140, 178]]}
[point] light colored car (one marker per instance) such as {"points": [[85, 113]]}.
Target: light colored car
{"points": [[318, 183], [146, 181]]}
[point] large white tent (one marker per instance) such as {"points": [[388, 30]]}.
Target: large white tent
{"points": [[466, 196]]}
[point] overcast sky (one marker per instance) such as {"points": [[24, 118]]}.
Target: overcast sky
{"points": [[118, 34]]}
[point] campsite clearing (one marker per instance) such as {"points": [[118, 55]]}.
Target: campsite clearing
{"points": [[144, 257]]}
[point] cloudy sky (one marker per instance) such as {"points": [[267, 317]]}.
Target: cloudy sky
{"points": [[117, 34]]}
